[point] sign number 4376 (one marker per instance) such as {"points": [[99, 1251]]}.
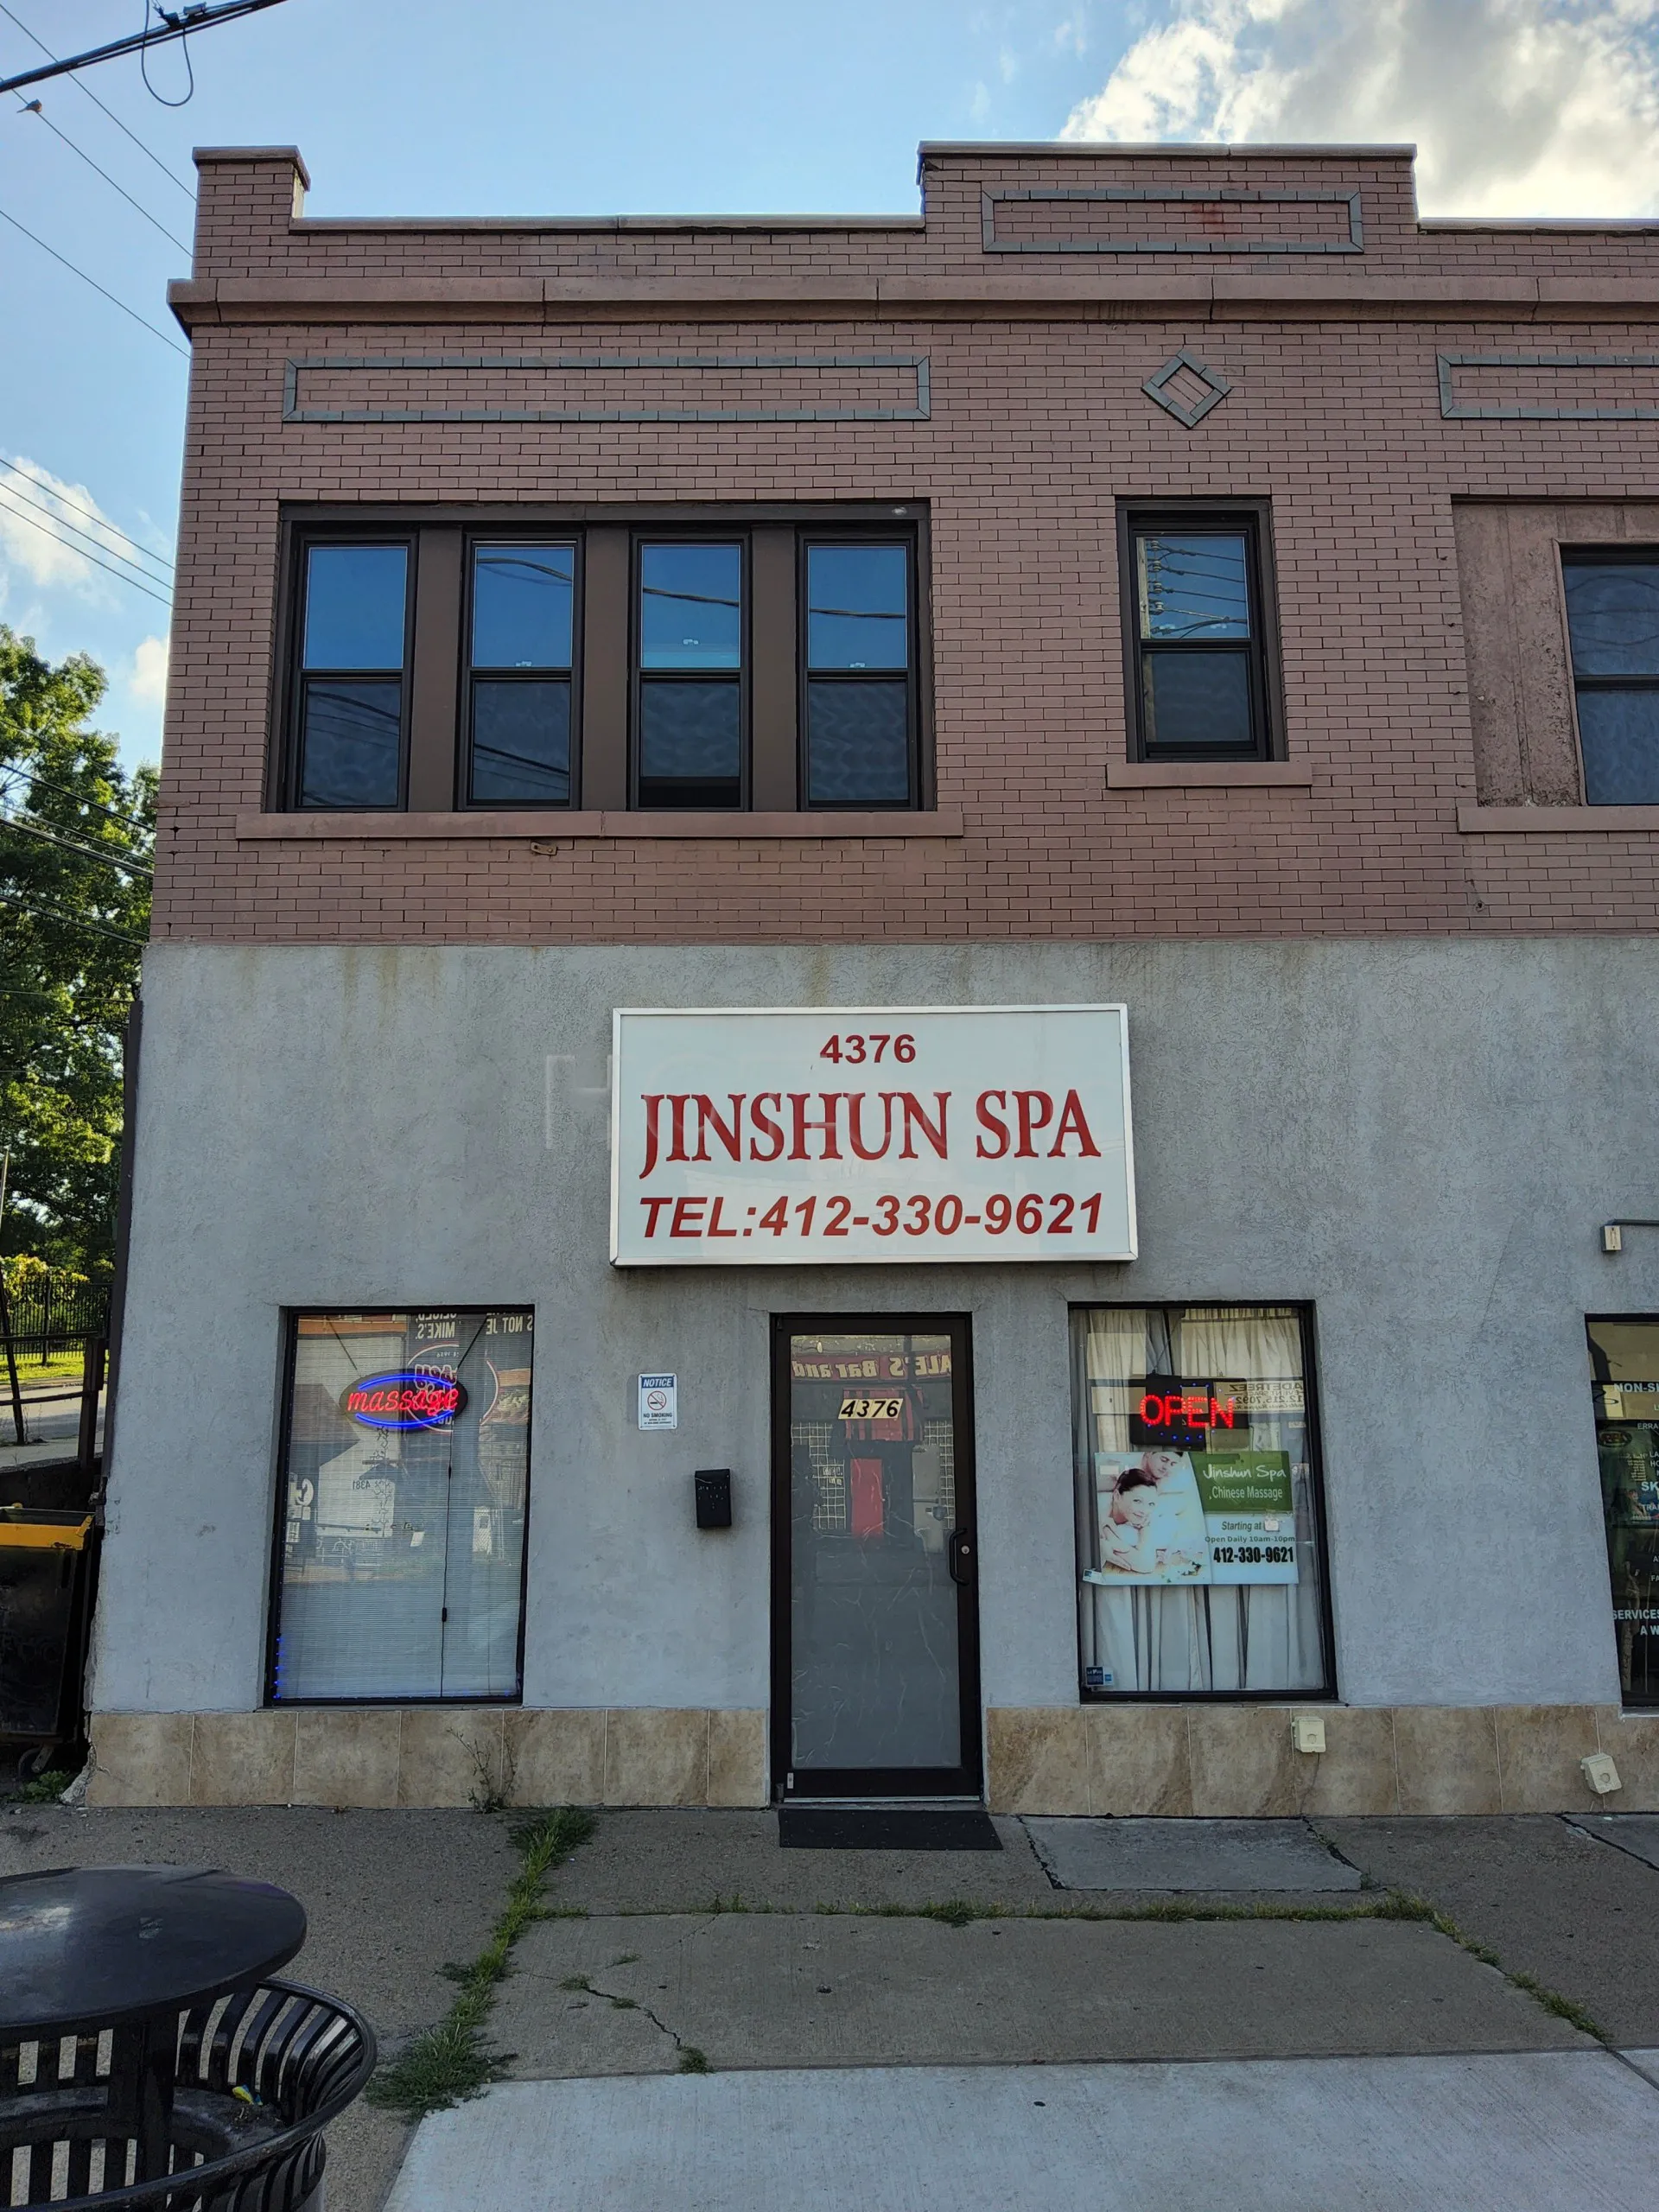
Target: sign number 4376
{"points": [[872, 1046]]}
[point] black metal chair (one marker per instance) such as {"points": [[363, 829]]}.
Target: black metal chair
{"points": [[233, 2125]]}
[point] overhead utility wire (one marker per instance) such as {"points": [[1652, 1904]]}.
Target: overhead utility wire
{"points": [[35, 108], [63, 791], [149, 155], [90, 513], [176, 24], [159, 599], [114, 551], [64, 845], [70, 921], [182, 351]]}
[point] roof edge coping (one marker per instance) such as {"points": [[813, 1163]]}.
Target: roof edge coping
{"points": [[207, 156]]}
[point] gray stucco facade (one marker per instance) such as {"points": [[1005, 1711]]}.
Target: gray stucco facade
{"points": [[1418, 1138]]}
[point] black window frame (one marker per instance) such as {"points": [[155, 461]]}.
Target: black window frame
{"points": [[288, 1321], [298, 677], [1253, 520], [640, 537], [437, 677], [907, 539], [472, 537], [1606, 555], [1327, 1693]]}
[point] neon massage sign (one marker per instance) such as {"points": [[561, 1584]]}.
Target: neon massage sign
{"points": [[403, 1398]]}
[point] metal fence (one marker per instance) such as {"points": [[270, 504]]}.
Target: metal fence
{"points": [[47, 1317]]}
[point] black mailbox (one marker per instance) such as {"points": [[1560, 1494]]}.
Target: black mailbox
{"points": [[714, 1497]]}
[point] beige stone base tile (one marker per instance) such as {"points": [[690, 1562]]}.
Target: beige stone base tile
{"points": [[1632, 1739], [1244, 1767], [141, 1758], [345, 1755], [450, 1755], [1355, 1773], [1539, 1747], [242, 1758], [737, 1759], [1137, 1759], [1038, 1757], [555, 1757], [1447, 1756], [656, 1755]]}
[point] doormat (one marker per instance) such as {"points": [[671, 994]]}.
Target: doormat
{"points": [[861, 1828]]}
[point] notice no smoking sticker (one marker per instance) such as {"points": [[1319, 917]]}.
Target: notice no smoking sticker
{"points": [[660, 1406]]}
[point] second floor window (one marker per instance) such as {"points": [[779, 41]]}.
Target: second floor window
{"points": [[1197, 642], [1613, 620], [859, 715], [688, 718], [522, 650], [352, 682]]}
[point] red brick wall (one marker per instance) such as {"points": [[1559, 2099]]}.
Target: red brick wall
{"points": [[1039, 426]]}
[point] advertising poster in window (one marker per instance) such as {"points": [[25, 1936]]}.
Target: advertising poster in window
{"points": [[1629, 1453], [1217, 1517]]}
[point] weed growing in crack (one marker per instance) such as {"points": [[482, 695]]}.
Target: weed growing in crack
{"points": [[453, 2061], [692, 2060], [577, 1981]]}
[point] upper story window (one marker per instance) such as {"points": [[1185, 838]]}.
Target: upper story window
{"points": [[1613, 620], [733, 662], [1197, 646], [351, 695], [521, 658]]}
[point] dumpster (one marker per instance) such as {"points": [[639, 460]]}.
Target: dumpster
{"points": [[45, 1564]]}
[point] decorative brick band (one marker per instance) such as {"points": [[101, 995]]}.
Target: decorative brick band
{"points": [[1239, 229], [1533, 390], [799, 388]]}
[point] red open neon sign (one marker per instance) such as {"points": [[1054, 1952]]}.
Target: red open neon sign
{"points": [[1187, 1409]]}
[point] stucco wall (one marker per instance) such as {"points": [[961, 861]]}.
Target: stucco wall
{"points": [[1419, 1137]]}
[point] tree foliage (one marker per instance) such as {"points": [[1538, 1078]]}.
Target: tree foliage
{"points": [[72, 924]]}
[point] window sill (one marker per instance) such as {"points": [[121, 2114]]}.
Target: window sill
{"points": [[1154, 775], [1475, 821], [550, 826]]}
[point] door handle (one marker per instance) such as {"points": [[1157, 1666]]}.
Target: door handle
{"points": [[961, 1556]]}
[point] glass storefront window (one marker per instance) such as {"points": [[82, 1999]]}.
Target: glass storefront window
{"points": [[1200, 1555], [1624, 1362], [401, 1537]]}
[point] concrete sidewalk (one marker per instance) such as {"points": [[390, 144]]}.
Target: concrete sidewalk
{"points": [[691, 1937]]}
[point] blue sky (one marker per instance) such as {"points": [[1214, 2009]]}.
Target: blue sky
{"points": [[639, 106]]}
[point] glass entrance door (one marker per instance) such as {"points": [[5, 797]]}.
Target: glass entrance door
{"points": [[875, 1681]]}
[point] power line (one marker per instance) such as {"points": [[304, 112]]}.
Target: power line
{"points": [[70, 921], [97, 287], [51, 514], [119, 573], [189, 191], [41, 783], [85, 852], [35, 108], [91, 513], [176, 24]]}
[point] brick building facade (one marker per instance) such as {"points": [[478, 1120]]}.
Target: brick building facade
{"points": [[1385, 950]]}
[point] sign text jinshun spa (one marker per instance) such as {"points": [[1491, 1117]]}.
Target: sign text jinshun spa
{"points": [[772, 1136]]}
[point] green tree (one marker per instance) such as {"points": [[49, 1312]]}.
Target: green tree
{"points": [[72, 924]]}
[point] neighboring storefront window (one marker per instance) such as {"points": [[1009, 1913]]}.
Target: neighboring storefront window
{"points": [[1625, 1361], [401, 1536], [1200, 1551]]}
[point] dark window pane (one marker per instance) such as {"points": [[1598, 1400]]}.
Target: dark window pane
{"points": [[1199, 700], [1193, 584], [690, 607], [1618, 735], [521, 744], [522, 599], [349, 744], [354, 606], [856, 610], [1612, 613], [858, 744], [690, 753]]}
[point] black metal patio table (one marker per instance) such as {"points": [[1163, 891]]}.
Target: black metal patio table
{"points": [[148, 2055]]}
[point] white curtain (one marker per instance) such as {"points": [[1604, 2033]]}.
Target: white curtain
{"points": [[1252, 1638]]}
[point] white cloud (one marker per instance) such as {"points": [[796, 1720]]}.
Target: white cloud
{"points": [[147, 681], [40, 514], [1517, 107]]}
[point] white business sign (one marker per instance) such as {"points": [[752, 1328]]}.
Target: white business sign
{"points": [[767, 1136]]}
